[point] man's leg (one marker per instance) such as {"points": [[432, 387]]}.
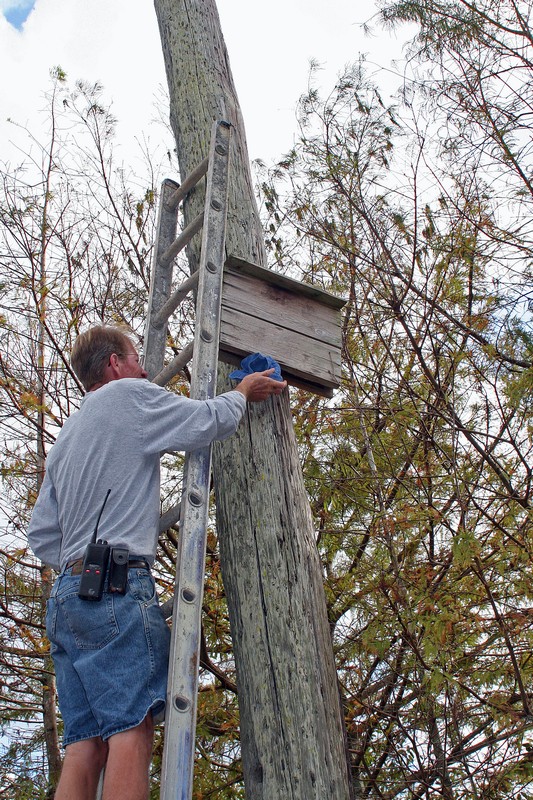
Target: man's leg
{"points": [[128, 763], [81, 770]]}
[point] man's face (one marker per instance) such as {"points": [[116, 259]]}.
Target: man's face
{"points": [[129, 365]]}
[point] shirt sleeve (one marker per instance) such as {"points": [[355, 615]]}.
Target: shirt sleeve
{"points": [[172, 422], [44, 533]]}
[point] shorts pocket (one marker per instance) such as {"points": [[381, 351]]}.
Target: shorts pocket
{"points": [[141, 585], [92, 622]]}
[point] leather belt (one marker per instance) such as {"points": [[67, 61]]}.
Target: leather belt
{"points": [[134, 563]]}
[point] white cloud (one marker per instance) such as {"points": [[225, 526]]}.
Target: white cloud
{"points": [[113, 43], [117, 43], [10, 5]]}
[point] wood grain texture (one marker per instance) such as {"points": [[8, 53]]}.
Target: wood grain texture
{"points": [[288, 698], [299, 330], [289, 308], [297, 324], [297, 353]]}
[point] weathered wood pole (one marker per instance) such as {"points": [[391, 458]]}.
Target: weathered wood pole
{"points": [[291, 723]]}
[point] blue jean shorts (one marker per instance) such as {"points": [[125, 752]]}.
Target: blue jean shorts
{"points": [[110, 656]]}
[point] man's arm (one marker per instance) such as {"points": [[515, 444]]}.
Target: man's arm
{"points": [[171, 422]]}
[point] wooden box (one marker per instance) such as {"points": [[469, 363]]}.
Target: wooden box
{"points": [[297, 324]]}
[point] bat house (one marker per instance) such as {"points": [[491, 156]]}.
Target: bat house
{"points": [[298, 324]]}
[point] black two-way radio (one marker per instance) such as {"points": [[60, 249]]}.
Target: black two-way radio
{"points": [[95, 561]]}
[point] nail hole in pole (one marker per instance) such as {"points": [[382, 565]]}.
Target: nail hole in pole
{"points": [[211, 266], [216, 205], [195, 499], [220, 149], [206, 336]]}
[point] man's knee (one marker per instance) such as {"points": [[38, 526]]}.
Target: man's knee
{"points": [[139, 738], [88, 756], [127, 771]]}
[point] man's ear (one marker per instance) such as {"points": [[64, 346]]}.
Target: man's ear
{"points": [[113, 367]]}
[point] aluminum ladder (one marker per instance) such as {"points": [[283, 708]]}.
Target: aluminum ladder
{"points": [[192, 512]]}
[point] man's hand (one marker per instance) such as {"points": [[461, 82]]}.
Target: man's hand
{"points": [[258, 386]]}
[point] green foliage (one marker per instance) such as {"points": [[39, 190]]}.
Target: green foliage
{"points": [[75, 247], [418, 470], [22, 777]]}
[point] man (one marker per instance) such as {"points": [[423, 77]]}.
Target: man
{"points": [[103, 472]]}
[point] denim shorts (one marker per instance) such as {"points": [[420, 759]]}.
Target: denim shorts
{"points": [[110, 656]]}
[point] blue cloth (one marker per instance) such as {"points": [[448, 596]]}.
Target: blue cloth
{"points": [[257, 362]]}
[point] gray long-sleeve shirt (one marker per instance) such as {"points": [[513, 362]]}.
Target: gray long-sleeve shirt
{"points": [[115, 442]]}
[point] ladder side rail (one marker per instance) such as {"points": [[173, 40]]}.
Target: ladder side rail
{"points": [[180, 726]]}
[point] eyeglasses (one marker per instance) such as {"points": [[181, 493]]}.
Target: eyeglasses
{"points": [[139, 358]]}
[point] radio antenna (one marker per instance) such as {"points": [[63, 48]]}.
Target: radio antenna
{"points": [[100, 516]]}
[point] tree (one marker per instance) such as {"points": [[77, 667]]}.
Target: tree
{"points": [[65, 261], [291, 729], [420, 469], [474, 65]]}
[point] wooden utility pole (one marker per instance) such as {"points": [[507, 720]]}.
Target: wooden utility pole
{"points": [[291, 723]]}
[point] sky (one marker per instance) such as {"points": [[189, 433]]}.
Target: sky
{"points": [[117, 43]]}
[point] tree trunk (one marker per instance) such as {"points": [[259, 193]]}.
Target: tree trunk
{"points": [[292, 735], [51, 736], [49, 699]]}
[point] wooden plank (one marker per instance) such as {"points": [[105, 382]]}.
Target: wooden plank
{"points": [[262, 300], [276, 279], [305, 358]]}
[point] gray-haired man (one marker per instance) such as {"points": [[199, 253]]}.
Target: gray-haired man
{"points": [[111, 655]]}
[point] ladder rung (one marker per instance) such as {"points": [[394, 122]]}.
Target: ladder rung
{"points": [[183, 239], [175, 366], [167, 607], [189, 182], [170, 517], [174, 300]]}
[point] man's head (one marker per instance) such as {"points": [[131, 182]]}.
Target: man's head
{"points": [[102, 354]]}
